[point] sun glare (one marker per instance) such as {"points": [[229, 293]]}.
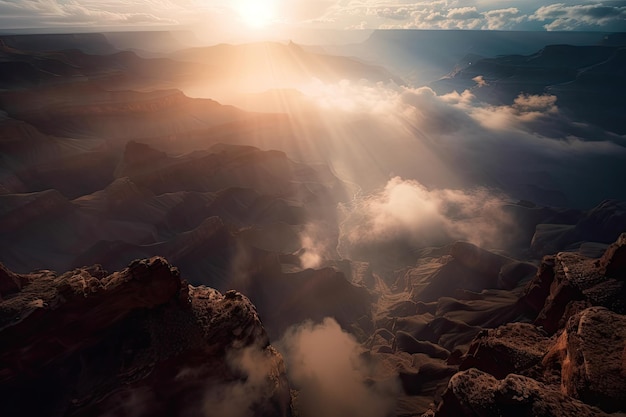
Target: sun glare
{"points": [[256, 13]]}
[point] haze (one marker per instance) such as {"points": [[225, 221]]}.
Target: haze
{"points": [[405, 197]]}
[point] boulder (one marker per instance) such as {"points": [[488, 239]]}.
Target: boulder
{"points": [[512, 348], [591, 353], [477, 394], [568, 282]]}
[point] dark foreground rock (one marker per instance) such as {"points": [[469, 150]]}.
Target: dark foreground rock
{"points": [[512, 348], [475, 393], [568, 282], [517, 370], [137, 342], [570, 361], [590, 353]]}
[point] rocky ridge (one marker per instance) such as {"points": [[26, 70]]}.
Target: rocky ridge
{"points": [[139, 341], [569, 361]]}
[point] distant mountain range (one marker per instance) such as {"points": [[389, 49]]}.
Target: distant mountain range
{"points": [[422, 56]]}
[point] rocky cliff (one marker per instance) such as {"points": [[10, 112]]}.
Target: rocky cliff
{"points": [[139, 342], [570, 360]]}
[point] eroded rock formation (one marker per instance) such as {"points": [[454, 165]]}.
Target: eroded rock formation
{"points": [[137, 342], [569, 362]]}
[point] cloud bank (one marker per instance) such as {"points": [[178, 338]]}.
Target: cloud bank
{"points": [[527, 149], [328, 14], [559, 16], [485, 15]]}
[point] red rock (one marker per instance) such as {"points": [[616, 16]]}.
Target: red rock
{"points": [[591, 352], [138, 340], [512, 348], [613, 262], [9, 282], [567, 283], [473, 393]]}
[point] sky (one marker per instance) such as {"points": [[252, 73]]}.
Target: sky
{"points": [[264, 17]]}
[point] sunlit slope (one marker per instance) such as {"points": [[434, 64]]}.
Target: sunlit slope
{"points": [[84, 111], [269, 59]]}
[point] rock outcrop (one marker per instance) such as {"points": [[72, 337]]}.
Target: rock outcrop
{"points": [[590, 353], [512, 348], [478, 394], [138, 341], [568, 283], [570, 361]]}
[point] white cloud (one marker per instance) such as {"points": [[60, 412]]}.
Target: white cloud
{"points": [[50, 13], [518, 15], [319, 243], [442, 14], [463, 13], [560, 16], [406, 211], [503, 18]]}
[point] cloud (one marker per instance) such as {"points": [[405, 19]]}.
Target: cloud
{"points": [[538, 104], [503, 18], [519, 15], [526, 149], [481, 158], [480, 81], [259, 370], [303, 10], [188, 13], [337, 14], [463, 13], [560, 16], [422, 108], [353, 96], [51, 13], [405, 211], [395, 13], [319, 243], [325, 364]]}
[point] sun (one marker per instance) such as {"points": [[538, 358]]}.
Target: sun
{"points": [[256, 13]]}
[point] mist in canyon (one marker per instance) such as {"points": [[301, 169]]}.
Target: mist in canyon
{"points": [[383, 204]]}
